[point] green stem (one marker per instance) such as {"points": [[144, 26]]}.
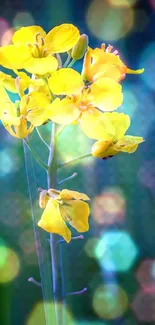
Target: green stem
{"points": [[60, 130], [54, 247], [35, 155], [42, 245], [71, 63], [74, 160], [41, 137], [67, 61]]}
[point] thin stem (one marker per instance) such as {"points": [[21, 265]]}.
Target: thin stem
{"points": [[41, 137], [74, 160], [68, 178], [35, 155], [61, 129], [59, 60], [67, 61], [56, 267], [42, 247], [71, 63]]}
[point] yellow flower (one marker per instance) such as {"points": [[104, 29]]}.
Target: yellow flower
{"points": [[82, 103], [62, 207], [102, 62], [19, 118], [115, 141], [33, 49]]}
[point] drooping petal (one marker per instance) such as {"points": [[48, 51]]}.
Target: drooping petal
{"points": [[78, 212], [27, 35], [66, 81], [63, 111], [119, 121], [95, 126], [14, 57], [129, 143], [62, 38], [22, 129], [106, 94], [41, 66], [52, 221], [69, 195]]}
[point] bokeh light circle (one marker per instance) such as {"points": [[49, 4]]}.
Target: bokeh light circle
{"points": [[116, 251], [120, 3], [23, 18], [109, 23], [37, 315], [110, 301], [90, 246], [109, 207], [9, 269], [5, 32]]}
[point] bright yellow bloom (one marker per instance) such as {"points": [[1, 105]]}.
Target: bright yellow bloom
{"points": [[101, 62], [115, 141], [33, 49], [62, 207], [82, 103], [16, 117]]}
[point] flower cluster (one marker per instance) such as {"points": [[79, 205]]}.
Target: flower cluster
{"points": [[50, 90]]}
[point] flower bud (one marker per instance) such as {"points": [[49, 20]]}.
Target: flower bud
{"points": [[99, 148], [80, 48]]}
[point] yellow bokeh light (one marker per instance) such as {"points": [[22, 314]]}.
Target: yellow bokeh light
{"points": [[109, 23], [9, 269], [110, 301], [121, 3], [37, 316], [90, 246], [23, 18]]}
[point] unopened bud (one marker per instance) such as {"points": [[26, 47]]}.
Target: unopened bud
{"points": [[80, 48], [99, 148]]}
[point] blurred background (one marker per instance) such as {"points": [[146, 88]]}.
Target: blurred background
{"points": [[116, 258]]}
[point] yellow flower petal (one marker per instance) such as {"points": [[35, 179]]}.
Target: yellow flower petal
{"points": [[27, 35], [8, 82], [78, 212], [22, 130], [119, 121], [52, 221], [63, 111], [8, 113], [34, 107], [14, 57], [69, 195], [139, 71], [95, 126], [106, 94], [66, 81], [41, 66], [129, 143], [62, 38]]}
